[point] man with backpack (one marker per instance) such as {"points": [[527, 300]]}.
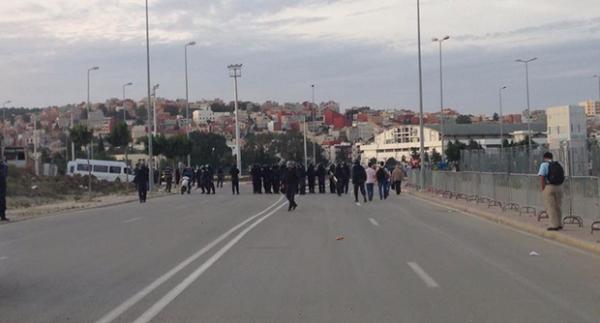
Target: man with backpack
{"points": [[552, 176]]}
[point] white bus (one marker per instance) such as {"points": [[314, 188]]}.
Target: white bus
{"points": [[102, 169]]}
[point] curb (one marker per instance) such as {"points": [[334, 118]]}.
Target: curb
{"points": [[24, 217], [551, 235]]}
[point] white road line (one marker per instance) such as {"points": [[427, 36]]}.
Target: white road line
{"points": [[423, 275], [115, 313], [133, 220], [3, 258], [374, 222], [172, 294]]}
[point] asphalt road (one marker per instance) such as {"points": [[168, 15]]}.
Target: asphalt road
{"points": [[246, 259]]}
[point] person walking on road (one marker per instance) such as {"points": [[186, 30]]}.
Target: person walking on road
{"points": [[3, 188], [347, 171], [552, 176], [141, 178], [339, 182], [189, 173], [168, 173], [321, 173], [276, 175], [234, 173], [256, 175], [371, 180], [177, 175], [397, 178], [332, 179], [383, 178], [290, 182], [311, 175], [359, 177], [220, 177], [302, 177]]}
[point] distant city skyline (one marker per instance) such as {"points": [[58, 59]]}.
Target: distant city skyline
{"points": [[356, 57]]}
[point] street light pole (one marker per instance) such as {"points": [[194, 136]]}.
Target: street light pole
{"points": [[421, 126], [235, 71], [526, 63], [314, 144], [501, 116], [125, 110], [89, 109], [442, 133], [187, 100], [4, 126], [149, 103], [598, 77], [154, 118], [305, 152]]}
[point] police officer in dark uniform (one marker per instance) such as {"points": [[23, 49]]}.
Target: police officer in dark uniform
{"points": [[142, 176], [290, 183], [321, 173], [302, 179], [276, 175], [332, 179], [3, 177], [267, 178], [311, 175], [234, 173]]}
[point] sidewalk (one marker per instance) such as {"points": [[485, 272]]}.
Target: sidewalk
{"points": [[21, 214], [572, 235]]}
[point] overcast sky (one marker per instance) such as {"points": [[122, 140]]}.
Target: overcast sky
{"points": [[357, 52]]}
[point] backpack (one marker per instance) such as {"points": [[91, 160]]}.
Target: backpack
{"points": [[556, 173], [380, 174]]}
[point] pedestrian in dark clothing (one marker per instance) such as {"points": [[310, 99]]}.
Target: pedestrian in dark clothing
{"points": [[255, 172], [177, 176], [311, 176], [321, 173], [168, 173], [198, 177], [3, 188], [290, 182], [276, 175], [210, 179], [220, 177], [339, 176], [234, 173], [142, 176], [332, 179], [302, 178], [267, 178], [347, 172], [359, 177]]}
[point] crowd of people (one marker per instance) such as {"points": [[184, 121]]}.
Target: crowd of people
{"points": [[290, 178]]}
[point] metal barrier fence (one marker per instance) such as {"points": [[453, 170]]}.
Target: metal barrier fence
{"points": [[518, 192]]}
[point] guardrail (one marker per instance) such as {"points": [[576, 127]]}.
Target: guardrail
{"points": [[516, 192]]}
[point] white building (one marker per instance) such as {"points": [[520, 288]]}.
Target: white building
{"points": [[360, 131], [567, 127], [592, 108], [399, 142]]}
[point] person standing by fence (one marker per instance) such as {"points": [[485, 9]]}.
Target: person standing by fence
{"points": [[552, 176]]}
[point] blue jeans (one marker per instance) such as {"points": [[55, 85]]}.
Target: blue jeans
{"points": [[382, 187], [370, 187]]}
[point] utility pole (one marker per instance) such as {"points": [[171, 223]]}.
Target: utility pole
{"points": [[127, 146], [149, 103], [305, 152], [314, 114], [501, 117], [4, 126], [36, 158], [154, 118], [526, 63], [187, 100], [421, 127], [442, 133], [235, 71]]}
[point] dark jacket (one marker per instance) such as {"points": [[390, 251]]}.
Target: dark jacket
{"points": [[234, 173], [291, 178], [359, 175]]}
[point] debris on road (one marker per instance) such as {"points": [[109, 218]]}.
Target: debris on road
{"points": [[533, 253], [339, 238]]}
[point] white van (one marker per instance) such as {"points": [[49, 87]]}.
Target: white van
{"points": [[102, 169]]}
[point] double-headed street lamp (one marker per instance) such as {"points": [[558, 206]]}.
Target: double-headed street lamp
{"points": [[502, 88], [187, 100], [440, 41], [526, 63], [235, 71], [4, 125]]}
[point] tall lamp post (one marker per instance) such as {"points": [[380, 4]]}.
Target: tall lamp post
{"points": [[89, 109], [154, 118], [314, 114], [4, 126], [440, 41], [149, 103], [526, 63], [421, 127], [598, 77], [125, 121], [187, 100], [235, 71], [501, 116]]}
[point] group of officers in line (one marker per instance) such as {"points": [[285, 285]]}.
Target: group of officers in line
{"points": [[290, 178]]}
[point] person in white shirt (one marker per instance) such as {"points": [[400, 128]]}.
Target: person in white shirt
{"points": [[371, 179]]}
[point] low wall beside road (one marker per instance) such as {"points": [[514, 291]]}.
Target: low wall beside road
{"points": [[580, 194]]}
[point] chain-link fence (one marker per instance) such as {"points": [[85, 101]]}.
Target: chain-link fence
{"points": [[520, 192], [579, 161]]}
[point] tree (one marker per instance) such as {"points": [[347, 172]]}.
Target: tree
{"points": [[81, 135], [208, 148], [120, 136], [463, 119], [496, 117], [453, 150], [473, 145]]}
